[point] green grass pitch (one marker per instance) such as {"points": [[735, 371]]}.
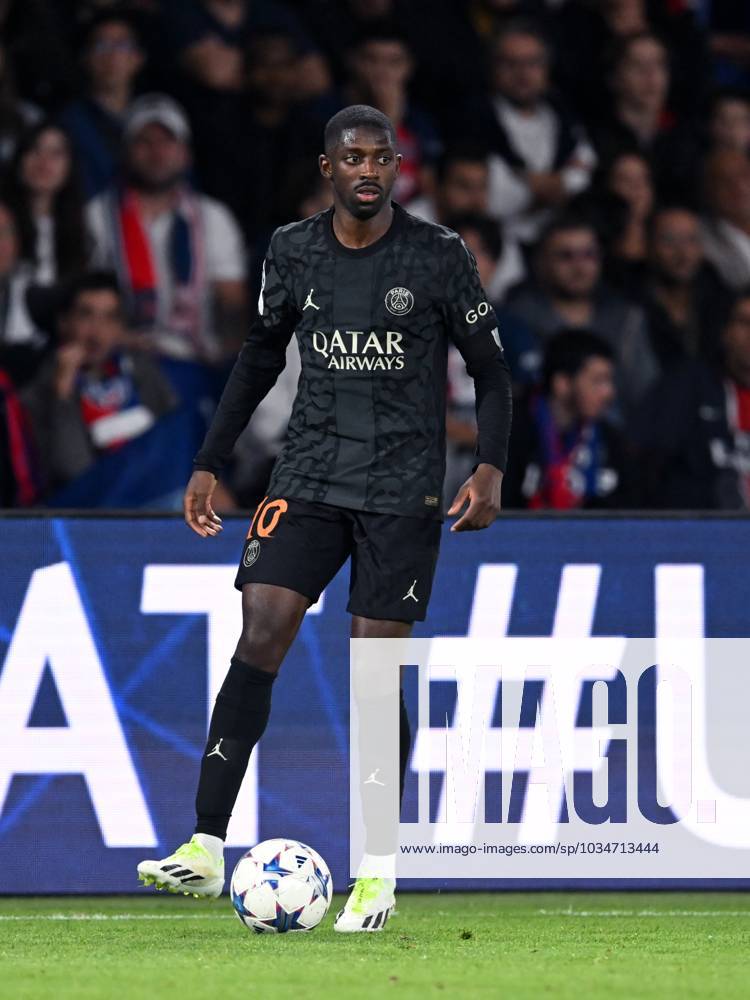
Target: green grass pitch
{"points": [[510, 945]]}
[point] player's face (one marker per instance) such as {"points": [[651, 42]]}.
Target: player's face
{"points": [[362, 167], [95, 323], [593, 388], [676, 246]]}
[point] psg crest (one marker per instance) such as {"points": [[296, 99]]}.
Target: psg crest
{"points": [[399, 301], [251, 553]]}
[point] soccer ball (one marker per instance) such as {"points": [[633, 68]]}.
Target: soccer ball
{"points": [[281, 885]]}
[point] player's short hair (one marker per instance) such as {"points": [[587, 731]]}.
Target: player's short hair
{"points": [[357, 116], [568, 351], [91, 281]]}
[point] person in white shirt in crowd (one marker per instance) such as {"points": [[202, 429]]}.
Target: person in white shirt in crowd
{"points": [[21, 342], [540, 155], [463, 188], [178, 254], [726, 226], [42, 185]]}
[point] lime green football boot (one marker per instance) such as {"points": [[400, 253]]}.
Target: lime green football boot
{"points": [[368, 907], [192, 870]]}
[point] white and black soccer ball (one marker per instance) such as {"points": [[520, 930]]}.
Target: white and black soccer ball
{"points": [[281, 885]]}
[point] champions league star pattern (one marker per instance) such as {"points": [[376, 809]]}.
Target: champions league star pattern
{"points": [[367, 429]]}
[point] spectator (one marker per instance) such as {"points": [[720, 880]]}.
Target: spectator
{"points": [[21, 342], [462, 186], [94, 395], [695, 428], [498, 270], [112, 58], [462, 190], [641, 119], [567, 292], [43, 188], [305, 193], [36, 47], [380, 68], [726, 229], [564, 454], [338, 25], [729, 26], [686, 303], [277, 134], [586, 31], [629, 178], [178, 254], [211, 37], [540, 156], [19, 486], [729, 121], [15, 115], [482, 237]]}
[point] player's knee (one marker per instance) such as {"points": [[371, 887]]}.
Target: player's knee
{"points": [[262, 645]]}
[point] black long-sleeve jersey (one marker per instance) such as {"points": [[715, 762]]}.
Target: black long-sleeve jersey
{"points": [[367, 429]]}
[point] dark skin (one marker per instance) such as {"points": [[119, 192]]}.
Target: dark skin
{"points": [[362, 168]]}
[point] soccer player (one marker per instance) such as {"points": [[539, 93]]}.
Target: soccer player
{"points": [[374, 296]]}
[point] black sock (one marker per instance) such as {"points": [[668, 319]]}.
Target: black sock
{"points": [[237, 723], [404, 745]]}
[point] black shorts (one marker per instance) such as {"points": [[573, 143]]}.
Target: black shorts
{"points": [[301, 546]]}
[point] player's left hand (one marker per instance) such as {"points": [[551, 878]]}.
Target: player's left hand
{"points": [[196, 504], [482, 490]]}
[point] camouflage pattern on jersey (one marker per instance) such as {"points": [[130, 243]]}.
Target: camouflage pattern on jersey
{"points": [[367, 429]]}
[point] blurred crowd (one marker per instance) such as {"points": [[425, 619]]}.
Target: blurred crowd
{"points": [[593, 154]]}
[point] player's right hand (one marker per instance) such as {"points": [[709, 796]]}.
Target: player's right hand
{"points": [[199, 514]]}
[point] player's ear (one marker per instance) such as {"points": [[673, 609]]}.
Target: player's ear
{"points": [[399, 158], [326, 167]]}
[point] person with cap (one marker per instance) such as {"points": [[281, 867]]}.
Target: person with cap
{"points": [[178, 254]]}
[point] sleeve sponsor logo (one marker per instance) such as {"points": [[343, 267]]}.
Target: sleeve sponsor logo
{"points": [[475, 314]]}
